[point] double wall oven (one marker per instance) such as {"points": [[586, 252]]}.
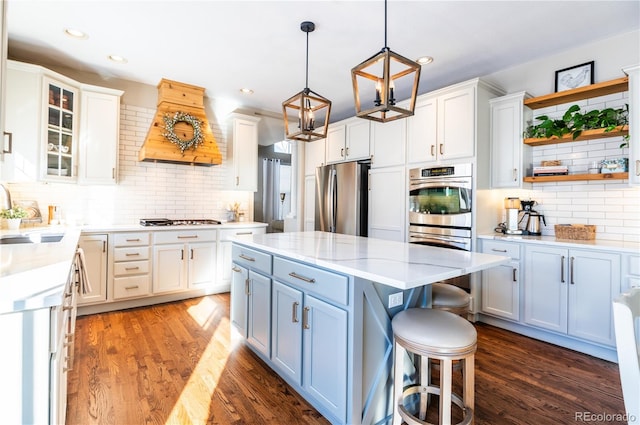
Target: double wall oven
{"points": [[440, 208]]}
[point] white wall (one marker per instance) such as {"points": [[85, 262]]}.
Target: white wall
{"points": [[613, 206]]}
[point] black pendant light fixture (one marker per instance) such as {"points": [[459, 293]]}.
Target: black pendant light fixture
{"points": [[306, 114], [381, 79]]}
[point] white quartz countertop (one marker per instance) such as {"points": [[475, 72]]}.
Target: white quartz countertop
{"points": [[33, 275], [604, 245], [100, 228], [397, 264]]}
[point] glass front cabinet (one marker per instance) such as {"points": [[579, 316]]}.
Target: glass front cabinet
{"points": [[61, 130]]}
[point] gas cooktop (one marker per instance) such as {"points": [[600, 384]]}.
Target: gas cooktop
{"points": [[168, 222]]}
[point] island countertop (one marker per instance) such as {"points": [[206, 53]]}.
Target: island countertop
{"points": [[397, 264]]}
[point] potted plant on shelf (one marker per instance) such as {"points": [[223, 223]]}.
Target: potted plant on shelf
{"points": [[13, 216]]}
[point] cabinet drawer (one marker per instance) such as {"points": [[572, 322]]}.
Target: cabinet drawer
{"points": [[251, 258], [501, 248], [228, 233], [330, 285], [131, 239], [132, 286], [185, 236], [131, 254], [131, 268]]}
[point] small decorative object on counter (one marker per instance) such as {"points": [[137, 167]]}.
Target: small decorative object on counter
{"points": [[13, 216], [619, 165], [585, 232]]}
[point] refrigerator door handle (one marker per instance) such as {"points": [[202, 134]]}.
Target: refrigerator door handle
{"points": [[332, 200]]}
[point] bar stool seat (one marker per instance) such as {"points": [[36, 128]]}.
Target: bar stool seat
{"points": [[433, 334], [449, 297]]}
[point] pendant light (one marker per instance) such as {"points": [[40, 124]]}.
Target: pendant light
{"points": [[306, 114], [380, 79]]}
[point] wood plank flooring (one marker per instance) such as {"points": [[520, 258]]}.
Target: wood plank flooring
{"points": [[176, 363]]}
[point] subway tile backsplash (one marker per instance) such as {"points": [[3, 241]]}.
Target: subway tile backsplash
{"points": [[144, 189]]}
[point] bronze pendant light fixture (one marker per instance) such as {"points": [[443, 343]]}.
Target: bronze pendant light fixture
{"points": [[306, 114], [378, 80]]}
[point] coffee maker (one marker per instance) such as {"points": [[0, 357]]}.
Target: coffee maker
{"points": [[532, 226], [512, 205]]}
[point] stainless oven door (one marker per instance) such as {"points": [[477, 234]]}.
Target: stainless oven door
{"points": [[440, 202]]}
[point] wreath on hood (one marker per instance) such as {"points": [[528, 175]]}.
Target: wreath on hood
{"points": [[170, 134]]}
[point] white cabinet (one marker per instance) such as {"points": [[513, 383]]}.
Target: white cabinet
{"points": [[286, 333], [3, 75], [95, 254], [23, 122], [61, 140], [184, 260], [450, 123], [131, 265], [571, 291], [348, 140], [242, 152], [388, 142], [387, 203], [314, 156], [501, 284], [634, 124], [99, 135], [421, 130], [510, 158], [309, 203], [630, 272]]}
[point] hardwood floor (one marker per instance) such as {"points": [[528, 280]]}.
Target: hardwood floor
{"points": [[176, 363]]}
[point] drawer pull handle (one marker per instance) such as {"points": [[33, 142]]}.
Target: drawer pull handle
{"points": [[498, 250], [133, 240], [562, 269], [131, 254], [235, 269], [306, 279], [188, 237], [246, 287], [305, 318], [571, 271], [515, 277], [131, 287], [244, 257], [131, 268], [294, 312], [244, 233]]}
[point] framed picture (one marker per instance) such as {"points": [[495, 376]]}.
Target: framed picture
{"points": [[574, 77]]}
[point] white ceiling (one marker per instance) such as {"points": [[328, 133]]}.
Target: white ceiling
{"points": [[226, 45]]}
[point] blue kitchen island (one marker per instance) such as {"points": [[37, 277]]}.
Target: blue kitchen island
{"points": [[317, 308]]}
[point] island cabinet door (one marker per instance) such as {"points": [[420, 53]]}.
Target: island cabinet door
{"points": [[239, 292], [325, 355], [259, 326], [286, 330]]}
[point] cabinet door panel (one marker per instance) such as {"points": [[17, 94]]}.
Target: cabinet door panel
{"points": [[286, 341], [387, 203], [387, 143], [594, 282], [546, 288], [357, 143], [500, 291], [168, 268], [336, 138], [99, 129], [95, 253], [202, 269], [309, 203], [456, 123], [325, 355], [238, 314], [422, 132], [259, 326]]}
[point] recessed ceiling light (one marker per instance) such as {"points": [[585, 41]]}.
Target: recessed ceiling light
{"points": [[117, 59], [246, 91], [74, 33], [424, 60]]}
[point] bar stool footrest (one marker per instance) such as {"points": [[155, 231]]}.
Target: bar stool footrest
{"points": [[410, 419]]}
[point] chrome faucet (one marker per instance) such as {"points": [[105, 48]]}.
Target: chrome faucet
{"points": [[5, 198]]}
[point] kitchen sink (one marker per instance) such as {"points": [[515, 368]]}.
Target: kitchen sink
{"points": [[35, 237]]}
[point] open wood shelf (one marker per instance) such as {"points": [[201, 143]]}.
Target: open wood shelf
{"points": [[577, 177], [598, 133], [594, 90]]}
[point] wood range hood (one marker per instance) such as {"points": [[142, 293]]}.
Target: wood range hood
{"points": [[175, 97]]}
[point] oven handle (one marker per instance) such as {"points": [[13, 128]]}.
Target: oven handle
{"points": [[422, 184], [444, 242]]}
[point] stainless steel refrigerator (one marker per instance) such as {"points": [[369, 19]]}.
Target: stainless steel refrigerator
{"points": [[342, 198]]}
